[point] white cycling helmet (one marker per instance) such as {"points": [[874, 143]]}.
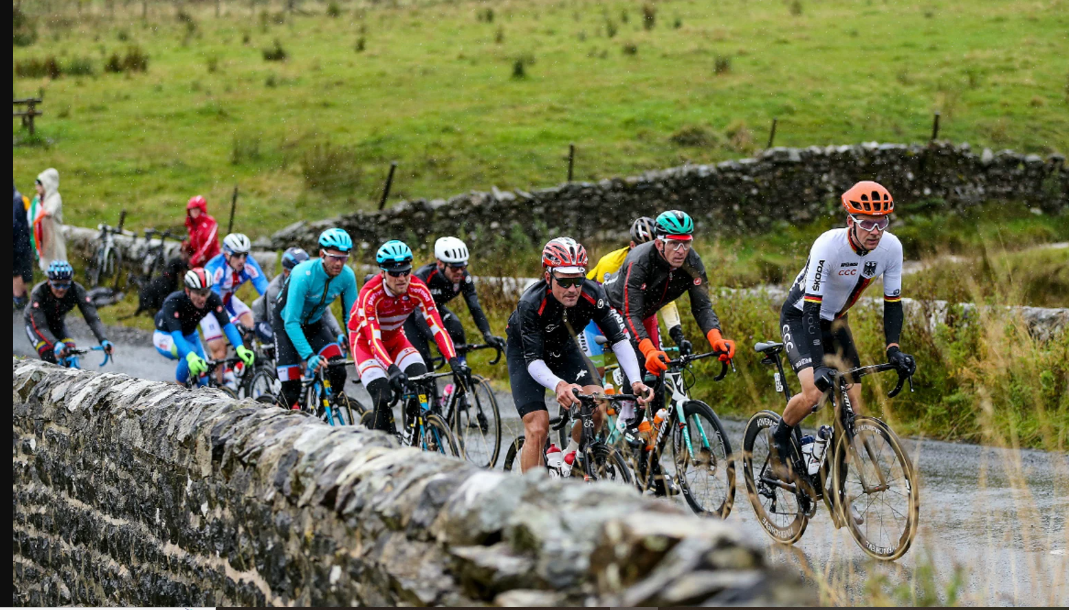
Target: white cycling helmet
{"points": [[237, 243], [198, 279], [451, 251]]}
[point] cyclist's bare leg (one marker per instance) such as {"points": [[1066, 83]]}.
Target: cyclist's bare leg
{"points": [[217, 350], [246, 320], [801, 404], [535, 431]]}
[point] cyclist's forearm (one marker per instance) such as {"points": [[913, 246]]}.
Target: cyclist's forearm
{"points": [[233, 335], [670, 315], [539, 370], [300, 343], [180, 344], [625, 355], [893, 318], [477, 314]]}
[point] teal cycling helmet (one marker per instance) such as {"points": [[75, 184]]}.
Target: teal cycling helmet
{"points": [[60, 272], [675, 224], [394, 255], [335, 239]]}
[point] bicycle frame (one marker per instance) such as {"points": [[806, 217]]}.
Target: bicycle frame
{"points": [[419, 389]]}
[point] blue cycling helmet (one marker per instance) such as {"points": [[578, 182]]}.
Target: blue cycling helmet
{"points": [[394, 255], [293, 257], [335, 239], [60, 272]]}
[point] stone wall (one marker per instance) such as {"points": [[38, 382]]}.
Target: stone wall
{"points": [[782, 184], [130, 492]]}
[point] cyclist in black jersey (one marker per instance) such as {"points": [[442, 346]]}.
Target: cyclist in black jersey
{"points": [[50, 302], [542, 349], [656, 273], [177, 321], [448, 278]]}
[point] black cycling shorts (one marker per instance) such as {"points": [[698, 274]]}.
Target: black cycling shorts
{"points": [[835, 337], [319, 336], [569, 364]]}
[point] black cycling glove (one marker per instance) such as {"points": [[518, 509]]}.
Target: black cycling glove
{"points": [[824, 377], [902, 361], [397, 380]]}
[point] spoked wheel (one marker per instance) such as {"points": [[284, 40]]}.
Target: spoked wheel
{"points": [[477, 424], [263, 381], [512, 456], [704, 465], [779, 510], [436, 436], [878, 489], [605, 463]]}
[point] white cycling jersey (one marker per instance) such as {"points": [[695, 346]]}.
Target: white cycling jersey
{"points": [[836, 274]]}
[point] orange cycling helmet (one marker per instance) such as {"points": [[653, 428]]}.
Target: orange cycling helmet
{"points": [[869, 198]]}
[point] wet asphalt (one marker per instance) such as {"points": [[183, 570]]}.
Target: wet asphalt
{"points": [[996, 517]]}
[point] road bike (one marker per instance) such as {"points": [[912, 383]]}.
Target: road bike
{"points": [[422, 424], [154, 258], [331, 405], [702, 468], [472, 412], [208, 379], [595, 460], [72, 361], [864, 475], [107, 258]]}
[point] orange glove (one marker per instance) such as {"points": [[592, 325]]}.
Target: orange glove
{"points": [[655, 358], [720, 344]]}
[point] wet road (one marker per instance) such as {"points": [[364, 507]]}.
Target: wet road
{"points": [[997, 515]]}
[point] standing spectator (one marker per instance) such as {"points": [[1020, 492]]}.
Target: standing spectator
{"points": [[23, 255], [203, 242], [46, 220]]}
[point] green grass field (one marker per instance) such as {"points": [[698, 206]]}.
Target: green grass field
{"points": [[435, 86]]}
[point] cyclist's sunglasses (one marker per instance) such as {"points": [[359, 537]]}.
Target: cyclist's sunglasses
{"points": [[60, 285], [872, 225], [403, 273], [569, 282], [458, 267], [201, 293], [336, 257]]}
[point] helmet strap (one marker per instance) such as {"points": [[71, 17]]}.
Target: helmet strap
{"points": [[855, 242]]}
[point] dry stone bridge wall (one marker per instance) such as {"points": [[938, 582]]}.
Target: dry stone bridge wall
{"points": [[130, 492]]}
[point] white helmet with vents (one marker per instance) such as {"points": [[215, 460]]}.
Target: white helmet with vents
{"points": [[451, 251]]}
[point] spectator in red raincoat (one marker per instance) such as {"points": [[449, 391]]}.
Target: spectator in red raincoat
{"points": [[203, 242]]}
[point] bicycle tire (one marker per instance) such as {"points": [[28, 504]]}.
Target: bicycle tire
{"points": [[710, 461], [436, 437], [866, 429], [262, 381], [343, 411], [93, 269], [112, 263], [757, 443], [606, 463], [512, 456], [481, 447]]}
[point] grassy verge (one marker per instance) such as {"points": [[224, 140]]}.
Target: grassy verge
{"points": [[143, 114]]}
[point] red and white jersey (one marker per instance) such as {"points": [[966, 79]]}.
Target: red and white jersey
{"points": [[378, 316]]}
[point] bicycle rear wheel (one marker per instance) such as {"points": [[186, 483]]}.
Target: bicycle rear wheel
{"points": [[706, 471], [262, 381], [877, 487], [778, 510], [436, 437], [477, 423]]}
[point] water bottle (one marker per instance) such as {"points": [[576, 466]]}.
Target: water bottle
{"points": [[446, 394], [645, 430], [566, 467], [554, 460], [820, 448], [659, 417], [807, 450]]}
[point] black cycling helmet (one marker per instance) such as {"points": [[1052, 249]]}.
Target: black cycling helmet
{"points": [[293, 257]]}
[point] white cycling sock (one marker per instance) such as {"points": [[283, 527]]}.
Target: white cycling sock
{"points": [[627, 410], [573, 445]]}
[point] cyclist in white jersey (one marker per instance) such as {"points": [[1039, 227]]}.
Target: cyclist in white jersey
{"points": [[842, 264]]}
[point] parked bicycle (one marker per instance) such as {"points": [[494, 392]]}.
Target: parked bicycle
{"points": [[868, 484], [107, 259], [472, 413], [702, 468], [595, 460], [155, 256], [72, 361]]}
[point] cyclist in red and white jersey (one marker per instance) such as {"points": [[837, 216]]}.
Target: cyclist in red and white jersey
{"points": [[384, 356], [813, 321]]}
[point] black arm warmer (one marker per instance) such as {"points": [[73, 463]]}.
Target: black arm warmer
{"points": [[676, 333], [893, 317]]}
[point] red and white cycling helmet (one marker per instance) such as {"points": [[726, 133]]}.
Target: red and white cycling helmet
{"points": [[198, 279], [564, 254]]}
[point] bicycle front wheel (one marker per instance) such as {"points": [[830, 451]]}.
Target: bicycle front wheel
{"points": [[876, 485], [477, 424], [778, 509], [262, 381], [512, 456], [435, 436], [704, 465], [605, 463]]}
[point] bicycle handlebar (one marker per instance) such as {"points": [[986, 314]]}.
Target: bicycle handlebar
{"points": [[862, 371], [474, 347], [81, 351], [686, 359]]}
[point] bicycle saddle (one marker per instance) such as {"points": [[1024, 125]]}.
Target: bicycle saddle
{"points": [[768, 347]]}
